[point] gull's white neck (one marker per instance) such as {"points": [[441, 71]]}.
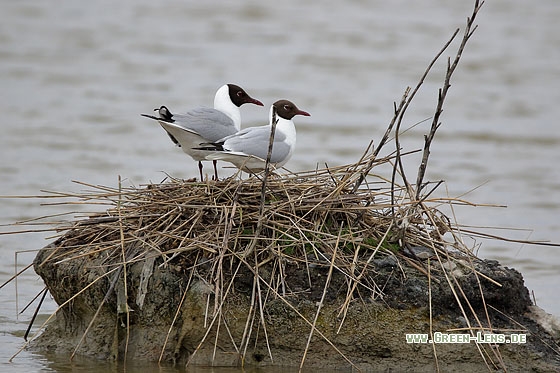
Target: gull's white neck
{"points": [[222, 102], [286, 126]]}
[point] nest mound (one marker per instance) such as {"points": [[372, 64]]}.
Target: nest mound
{"points": [[260, 271]]}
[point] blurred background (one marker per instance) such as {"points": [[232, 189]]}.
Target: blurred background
{"points": [[75, 76]]}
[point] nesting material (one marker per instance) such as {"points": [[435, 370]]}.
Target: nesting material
{"points": [[259, 268], [314, 218]]}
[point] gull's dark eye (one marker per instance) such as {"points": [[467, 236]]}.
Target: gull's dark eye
{"points": [[240, 94], [287, 107]]}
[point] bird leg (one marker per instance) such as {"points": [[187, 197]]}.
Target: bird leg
{"points": [[215, 162], [200, 169]]}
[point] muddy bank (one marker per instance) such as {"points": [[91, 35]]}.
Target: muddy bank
{"points": [[172, 308]]}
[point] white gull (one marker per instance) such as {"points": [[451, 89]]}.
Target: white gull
{"points": [[248, 148], [205, 125]]}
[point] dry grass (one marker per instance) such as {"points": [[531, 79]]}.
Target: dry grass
{"points": [[313, 218]]}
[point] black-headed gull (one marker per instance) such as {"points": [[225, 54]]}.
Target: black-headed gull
{"points": [[248, 148], [206, 125]]}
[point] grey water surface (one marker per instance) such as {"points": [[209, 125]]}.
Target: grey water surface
{"points": [[75, 76]]}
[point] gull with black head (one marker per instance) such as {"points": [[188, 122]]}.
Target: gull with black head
{"points": [[248, 148], [205, 125]]}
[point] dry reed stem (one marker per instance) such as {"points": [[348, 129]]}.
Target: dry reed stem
{"points": [[175, 317], [320, 304], [431, 315], [303, 318], [124, 260]]}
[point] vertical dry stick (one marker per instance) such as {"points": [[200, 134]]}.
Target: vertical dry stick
{"points": [[258, 229], [401, 113], [121, 231], [398, 115], [451, 287], [302, 317], [373, 156], [216, 338], [248, 325], [469, 30], [175, 316], [261, 308], [431, 316], [44, 292], [16, 285], [206, 310], [273, 122], [281, 276], [327, 281]]}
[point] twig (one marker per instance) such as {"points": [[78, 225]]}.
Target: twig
{"points": [[431, 316], [327, 283], [121, 234], [253, 243], [177, 313], [16, 275], [44, 292], [372, 161], [469, 30]]}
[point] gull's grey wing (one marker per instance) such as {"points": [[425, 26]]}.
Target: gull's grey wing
{"points": [[255, 140], [211, 124]]}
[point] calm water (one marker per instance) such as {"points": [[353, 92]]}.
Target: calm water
{"points": [[76, 75]]}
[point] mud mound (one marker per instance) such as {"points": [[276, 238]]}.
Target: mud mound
{"points": [[186, 272]]}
